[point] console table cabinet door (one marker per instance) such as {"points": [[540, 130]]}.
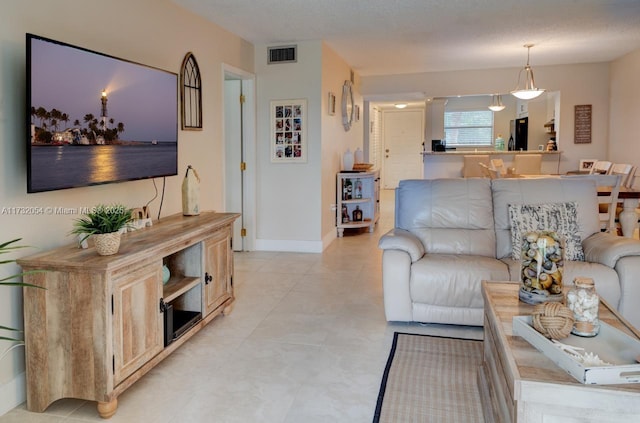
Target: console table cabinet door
{"points": [[138, 323], [218, 270]]}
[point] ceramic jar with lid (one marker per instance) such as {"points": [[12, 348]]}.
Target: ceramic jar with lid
{"points": [[347, 160], [358, 156], [583, 300]]}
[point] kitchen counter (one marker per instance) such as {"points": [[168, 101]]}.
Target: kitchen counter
{"points": [[490, 152], [448, 164]]}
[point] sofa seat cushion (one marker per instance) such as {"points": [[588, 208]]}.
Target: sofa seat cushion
{"points": [[452, 280], [606, 278]]}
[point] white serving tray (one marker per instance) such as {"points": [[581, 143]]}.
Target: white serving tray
{"points": [[611, 345]]}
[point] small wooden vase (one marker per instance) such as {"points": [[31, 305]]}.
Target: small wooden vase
{"points": [[107, 244]]}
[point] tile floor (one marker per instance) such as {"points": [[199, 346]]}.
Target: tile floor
{"points": [[307, 342]]}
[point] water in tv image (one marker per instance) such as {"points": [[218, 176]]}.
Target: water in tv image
{"points": [[96, 119]]}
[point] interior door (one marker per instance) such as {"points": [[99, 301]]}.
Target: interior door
{"points": [[403, 133]]}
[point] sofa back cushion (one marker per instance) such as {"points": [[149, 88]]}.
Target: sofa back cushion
{"points": [[539, 191], [449, 216]]}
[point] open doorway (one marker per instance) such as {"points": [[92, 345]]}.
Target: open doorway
{"points": [[240, 154], [394, 141]]}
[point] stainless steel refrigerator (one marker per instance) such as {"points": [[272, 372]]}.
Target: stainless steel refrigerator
{"points": [[519, 133]]}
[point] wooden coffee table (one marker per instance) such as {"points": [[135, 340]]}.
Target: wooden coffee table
{"points": [[519, 384]]}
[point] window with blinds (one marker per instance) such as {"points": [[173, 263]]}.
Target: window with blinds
{"points": [[468, 128]]}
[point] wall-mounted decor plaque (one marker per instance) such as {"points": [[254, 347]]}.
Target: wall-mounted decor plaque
{"points": [[582, 124]]}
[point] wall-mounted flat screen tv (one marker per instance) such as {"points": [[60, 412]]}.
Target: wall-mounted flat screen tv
{"points": [[95, 119]]}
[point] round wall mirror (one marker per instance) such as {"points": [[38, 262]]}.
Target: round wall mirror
{"points": [[347, 105]]}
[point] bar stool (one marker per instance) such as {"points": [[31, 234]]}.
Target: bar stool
{"points": [[471, 168]]}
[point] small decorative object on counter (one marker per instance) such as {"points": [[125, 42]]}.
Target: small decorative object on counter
{"points": [[191, 193], [499, 145], [358, 188], [541, 268], [347, 160], [345, 214], [358, 156], [512, 143], [553, 320], [583, 301], [166, 274], [357, 214]]}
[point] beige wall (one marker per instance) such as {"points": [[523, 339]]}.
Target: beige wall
{"points": [[335, 140], [576, 84], [625, 111], [152, 32], [288, 199], [294, 199]]}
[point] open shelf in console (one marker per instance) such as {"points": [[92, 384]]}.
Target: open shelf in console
{"points": [[178, 286], [182, 294]]}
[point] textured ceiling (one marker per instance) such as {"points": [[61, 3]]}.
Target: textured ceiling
{"points": [[404, 36]]}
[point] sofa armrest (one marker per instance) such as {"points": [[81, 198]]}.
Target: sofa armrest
{"points": [[400, 239], [607, 249]]}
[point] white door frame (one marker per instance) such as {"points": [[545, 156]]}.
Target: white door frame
{"points": [[248, 185]]}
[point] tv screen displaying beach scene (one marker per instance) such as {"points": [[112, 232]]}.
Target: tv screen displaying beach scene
{"points": [[95, 119]]}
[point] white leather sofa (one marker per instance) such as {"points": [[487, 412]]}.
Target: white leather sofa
{"points": [[450, 234]]}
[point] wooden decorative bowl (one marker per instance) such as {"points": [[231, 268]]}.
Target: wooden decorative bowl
{"points": [[362, 166]]}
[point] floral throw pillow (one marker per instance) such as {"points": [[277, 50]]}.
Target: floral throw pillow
{"points": [[561, 218]]}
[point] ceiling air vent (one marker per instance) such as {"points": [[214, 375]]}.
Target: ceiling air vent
{"points": [[283, 54]]}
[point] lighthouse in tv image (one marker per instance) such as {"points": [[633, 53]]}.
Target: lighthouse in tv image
{"points": [[104, 114]]}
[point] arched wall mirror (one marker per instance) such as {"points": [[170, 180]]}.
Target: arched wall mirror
{"points": [[191, 93]]}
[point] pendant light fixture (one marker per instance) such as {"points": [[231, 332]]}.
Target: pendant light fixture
{"points": [[496, 103], [529, 91]]}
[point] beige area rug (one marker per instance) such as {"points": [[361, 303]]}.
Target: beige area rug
{"points": [[430, 379]]}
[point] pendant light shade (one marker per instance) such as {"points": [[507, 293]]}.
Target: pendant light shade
{"points": [[529, 91], [496, 103]]}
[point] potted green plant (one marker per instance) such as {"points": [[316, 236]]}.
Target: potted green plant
{"points": [[12, 280], [103, 223]]}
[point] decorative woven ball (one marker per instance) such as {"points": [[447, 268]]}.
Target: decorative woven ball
{"points": [[554, 320]]}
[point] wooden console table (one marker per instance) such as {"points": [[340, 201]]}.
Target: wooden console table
{"points": [[103, 321], [520, 384]]}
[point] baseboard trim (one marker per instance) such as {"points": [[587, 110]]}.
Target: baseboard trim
{"points": [[331, 236], [13, 393], [289, 246]]}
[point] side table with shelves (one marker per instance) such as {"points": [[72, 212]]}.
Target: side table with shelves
{"points": [[357, 191], [104, 321]]}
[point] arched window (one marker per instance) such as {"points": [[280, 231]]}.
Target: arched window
{"points": [[191, 93]]}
